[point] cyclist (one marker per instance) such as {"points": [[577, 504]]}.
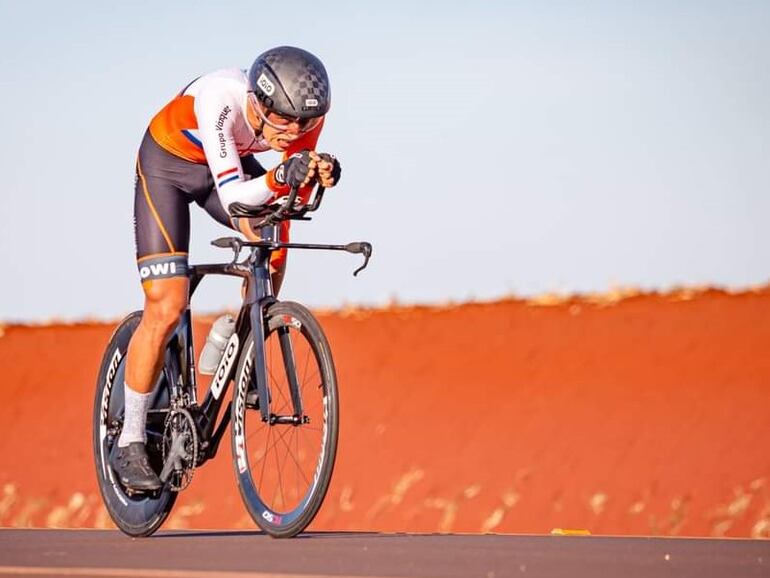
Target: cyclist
{"points": [[199, 148]]}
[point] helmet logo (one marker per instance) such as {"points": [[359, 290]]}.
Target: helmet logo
{"points": [[311, 102], [264, 83]]}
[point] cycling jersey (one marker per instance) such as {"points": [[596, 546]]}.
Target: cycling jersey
{"points": [[206, 124], [199, 148]]}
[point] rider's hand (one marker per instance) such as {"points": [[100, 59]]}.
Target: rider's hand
{"points": [[329, 169], [297, 171]]}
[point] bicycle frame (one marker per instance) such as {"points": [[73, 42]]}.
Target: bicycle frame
{"points": [[259, 295], [251, 317]]}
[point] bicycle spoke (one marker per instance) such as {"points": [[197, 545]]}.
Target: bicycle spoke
{"points": [[260, 428], [280, 437], [311, 428], [304, 371], [284, 401], [313, 442], [299, 467], [280, 481], [264, 457], [303, 385], [278, 409], [299, 470], [320, 381], [285, 464], [276, 438], [315, 405], [308, 364], [273, 440], [277, 387]]}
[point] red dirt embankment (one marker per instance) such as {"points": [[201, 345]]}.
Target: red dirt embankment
{"points": [[645, 414]]}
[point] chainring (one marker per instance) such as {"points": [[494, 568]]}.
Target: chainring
{"points": [[180, 429]]}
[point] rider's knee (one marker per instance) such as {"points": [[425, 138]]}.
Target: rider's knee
{"points": [[164, 304]]}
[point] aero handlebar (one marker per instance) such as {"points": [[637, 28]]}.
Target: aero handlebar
{"points": [[281, 211]]}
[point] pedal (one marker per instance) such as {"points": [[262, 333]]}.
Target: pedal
{"points": [[140, 493]]}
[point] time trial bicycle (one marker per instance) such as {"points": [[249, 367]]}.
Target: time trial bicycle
{"points": [[284, 409]]}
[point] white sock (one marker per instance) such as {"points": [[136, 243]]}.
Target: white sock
{"points": [[135, 420]]}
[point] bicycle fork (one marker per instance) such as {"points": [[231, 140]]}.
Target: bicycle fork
{"points": [[259, 297]]}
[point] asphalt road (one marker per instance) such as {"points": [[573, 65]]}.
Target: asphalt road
{"points": [[103, 554]]}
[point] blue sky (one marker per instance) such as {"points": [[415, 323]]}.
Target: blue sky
{"points": [[488, 148]]}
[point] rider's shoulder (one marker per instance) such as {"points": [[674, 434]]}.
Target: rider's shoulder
{"points": [[224, 77], [219, 88]]}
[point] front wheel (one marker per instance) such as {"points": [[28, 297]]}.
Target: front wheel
{"points": [[284, 466]]}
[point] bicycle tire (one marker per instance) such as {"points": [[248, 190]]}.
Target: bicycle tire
{"points": [[272, 514], [137, 516]]}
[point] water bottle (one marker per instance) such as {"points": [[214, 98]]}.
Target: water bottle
{"points": [[218, 337]]}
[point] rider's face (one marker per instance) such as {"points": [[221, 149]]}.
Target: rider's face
{"points": [[280, 139], [279, 131]]}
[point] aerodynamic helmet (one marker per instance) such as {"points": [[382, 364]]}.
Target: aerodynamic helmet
{"points": [[291, 82]]}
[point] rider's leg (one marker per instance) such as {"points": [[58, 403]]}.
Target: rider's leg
{"points": [[278, 260], [162, 228], [165, 301], [277, 272]]}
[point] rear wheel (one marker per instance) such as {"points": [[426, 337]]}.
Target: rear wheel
{"points": [[140, 514], [284, 466]]}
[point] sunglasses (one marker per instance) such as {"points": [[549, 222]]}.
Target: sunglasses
{"points": [[281, 122]]}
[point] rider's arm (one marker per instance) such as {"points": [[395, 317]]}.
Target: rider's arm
{"points": [[216, 111], [305, 142]]}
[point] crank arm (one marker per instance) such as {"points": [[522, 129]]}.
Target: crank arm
{"points": [[174, 459]]}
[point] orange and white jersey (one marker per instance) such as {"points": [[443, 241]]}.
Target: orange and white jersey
{"points": [[206, 124]]}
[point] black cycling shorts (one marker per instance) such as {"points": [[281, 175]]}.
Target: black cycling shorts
{"points": [[164, 188]]}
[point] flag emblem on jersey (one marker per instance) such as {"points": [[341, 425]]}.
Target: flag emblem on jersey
{"points": [[227, 176]]}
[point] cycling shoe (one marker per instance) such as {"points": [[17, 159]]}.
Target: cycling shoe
{"points": [[133, 468]]}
